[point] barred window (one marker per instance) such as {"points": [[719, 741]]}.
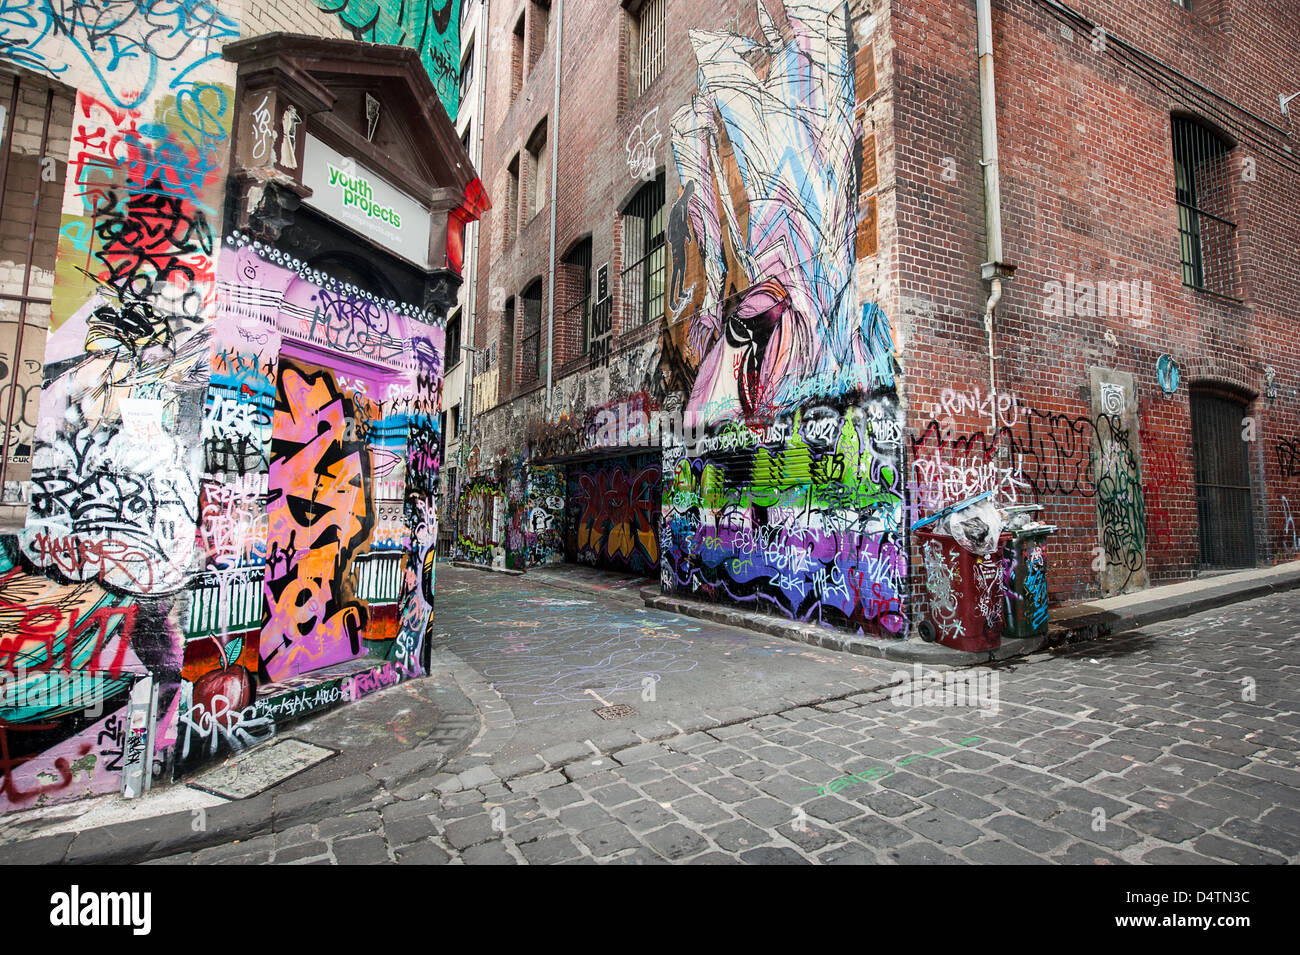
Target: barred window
{"points": [[1203, 175], [643, 247], [530, 339], [577, 316], [650, 42]]}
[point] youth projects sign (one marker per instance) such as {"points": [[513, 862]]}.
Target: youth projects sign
{"points": [[364, 202]]}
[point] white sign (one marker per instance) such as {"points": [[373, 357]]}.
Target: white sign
{"points": [[365, 202]]}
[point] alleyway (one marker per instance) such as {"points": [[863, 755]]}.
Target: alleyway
{"points": [[1173, 744]]}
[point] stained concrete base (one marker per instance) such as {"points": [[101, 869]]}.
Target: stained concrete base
{"points": [[1099, 618], [902, 651], [1071, 624]]}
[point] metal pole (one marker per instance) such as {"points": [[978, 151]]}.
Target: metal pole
{"points": [[989, 133], [4, 188], [27, 280], [554, 133]]}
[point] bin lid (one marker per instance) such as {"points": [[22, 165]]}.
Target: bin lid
{"points": [[1041, 530]]}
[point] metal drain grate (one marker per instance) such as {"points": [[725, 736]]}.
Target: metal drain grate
{"points": [[617, 711]]}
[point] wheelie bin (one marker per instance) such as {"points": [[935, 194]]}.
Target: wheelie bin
{"points": [[965, 606]]}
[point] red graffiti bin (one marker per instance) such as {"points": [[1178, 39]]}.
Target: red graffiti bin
{"points": [[965, 605]]}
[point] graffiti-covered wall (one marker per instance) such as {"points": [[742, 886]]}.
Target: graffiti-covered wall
{"points": [[232, 519], [762, 402], [787, 491], [480, 511], [613, 512], [317, 527], [430, 28], [110, 539], [536, 499]]}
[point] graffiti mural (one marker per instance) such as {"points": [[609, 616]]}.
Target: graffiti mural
{"points": [[480, 509], [787, 495], [793, 329], [111, 539], [319, 512], [1047, 455], [429, 28], [325, 554], [235, 461], [69, 654], [614, 506], [535, 502]]}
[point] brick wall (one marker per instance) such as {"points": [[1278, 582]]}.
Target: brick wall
{"points": [[1088, 192], [1085, 100]]}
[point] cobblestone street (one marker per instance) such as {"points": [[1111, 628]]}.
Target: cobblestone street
{"points": [[1174, 744]]}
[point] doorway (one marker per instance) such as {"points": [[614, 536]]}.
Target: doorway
{"points": [[1224, 506], [336, 534], [613, 513]]}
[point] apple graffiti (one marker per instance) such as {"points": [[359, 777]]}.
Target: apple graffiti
{"points": [[231, 681]]}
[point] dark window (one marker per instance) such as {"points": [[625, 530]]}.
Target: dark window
{"points": [[1203, 175], [517, 59], [538, 172], [455, 422], [541, 28], [643, 247], [466, 74], [507, 372], [530, 334], [453, 342], [511, 211], [577, 283]]}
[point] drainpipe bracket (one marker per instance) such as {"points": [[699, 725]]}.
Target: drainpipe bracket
{"points": [[997, 270]]}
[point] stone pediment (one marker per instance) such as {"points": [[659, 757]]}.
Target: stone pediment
{"points": [[368, 103]]}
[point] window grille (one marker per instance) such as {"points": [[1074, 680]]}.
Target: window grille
{"points": [[643, 246], [577, 317], [1203, 175], [650, 31], [530, 345]]}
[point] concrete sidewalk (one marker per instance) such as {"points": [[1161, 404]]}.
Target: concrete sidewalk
{"points": [[1100, 618], [380, 743]]}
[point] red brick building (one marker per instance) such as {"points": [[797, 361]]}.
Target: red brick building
{"points": [[766, 356]]}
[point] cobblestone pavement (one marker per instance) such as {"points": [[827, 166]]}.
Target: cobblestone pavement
{"points": [[1175, 744]]}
